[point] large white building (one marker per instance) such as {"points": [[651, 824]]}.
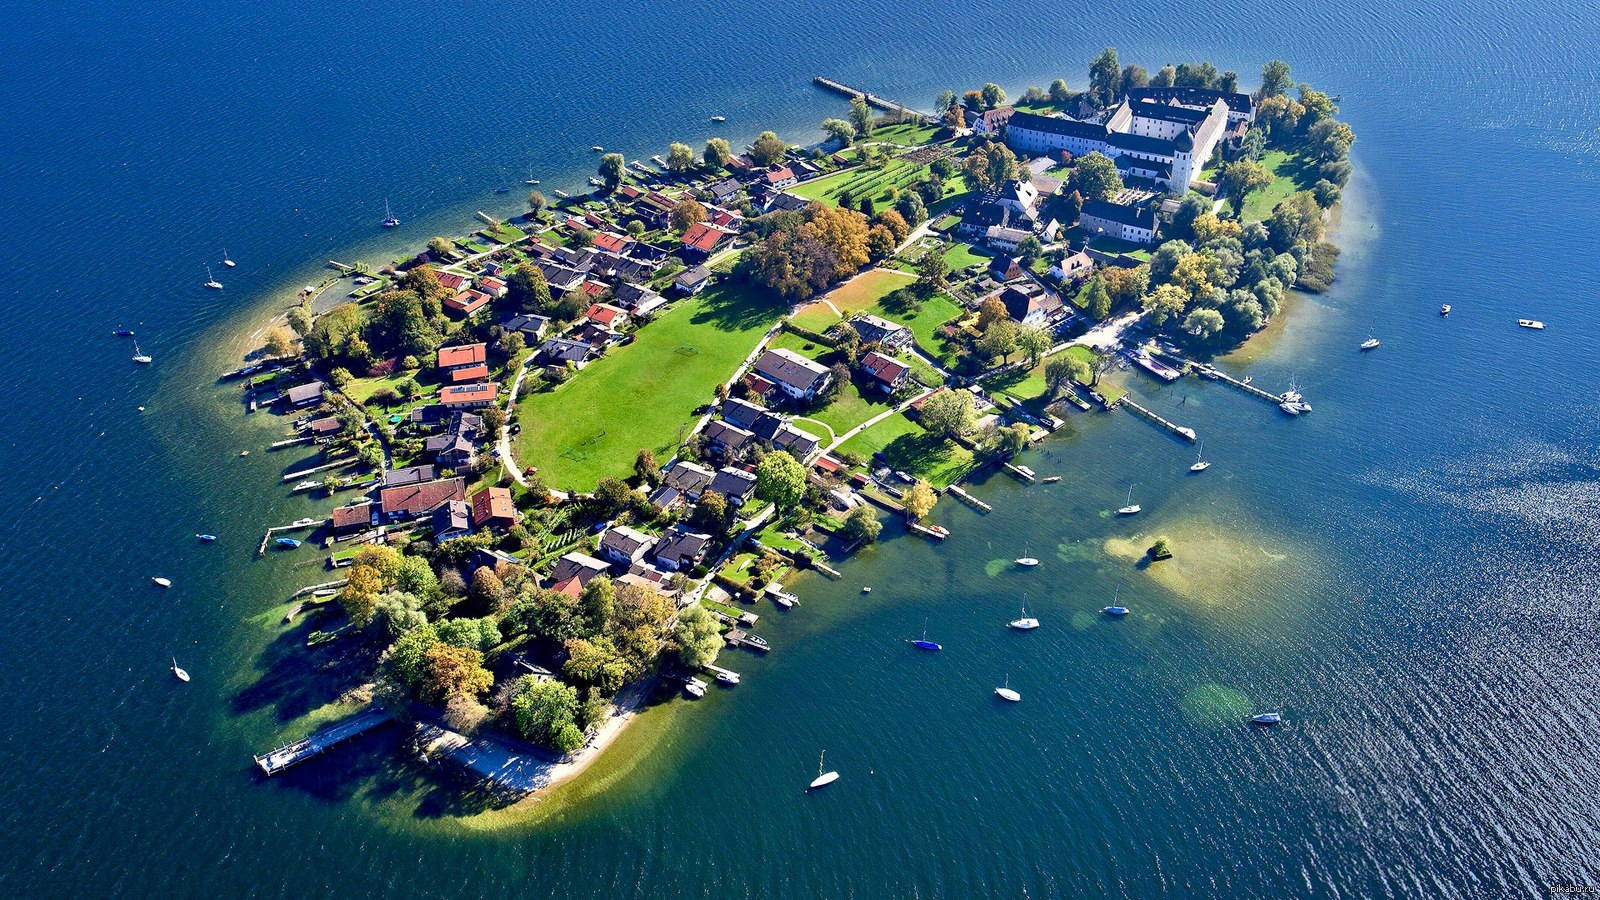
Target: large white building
{"points": [[1165, 135]]}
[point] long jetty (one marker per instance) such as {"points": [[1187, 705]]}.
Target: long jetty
{"points": [[1217, 374], [956, 490], [322, 740], [292, 526], [872, 99], [1179, 430]]}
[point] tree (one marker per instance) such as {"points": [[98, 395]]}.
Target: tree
{"points": [[1203, 322], [1100, 363], [439, 248], [989, 167], [717, 153], [453, 672], [359, 596], [644, 465], [780, 479], [545, 712], [1033, 341], [680, 157], [880, 242], [612, 495], [932, 270], [537, 202], [839, 131], [1229, 82], [1295, 222], [972, 100], [1165, 77], [919, 500], [299, 319], [1164, 302], [993, 95], [1275, 79], [1279, 113], [279, 342], [1062, 370], [1096, 299], [911, 210], [384, 397], [993, 310], [949, 413], [1134, 77], [596, 663], [1329, 140], [710, 512], [1240, 177], [407, 658], [698, 635], [1326, 193], [580, 238], [527, 290], [999, 339], [861, 117], [768, 149], [612, 168], [861, 525], [1105, 77], [476, 634], [1059, 92], [687, 214], [1197, 75], [1000, 443], [946, 100], [1095, 177]]}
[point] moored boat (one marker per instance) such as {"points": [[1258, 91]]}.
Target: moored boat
{"points": [[694, 687], [178, 672], [303, 523], [123, 332], [289, 543], [1132, 508], [1116, 610], [1200, 464], [1444, 310], [1371, 343], [1025, 623], [163, 582], [1005, 692], [823, 779], [1051, 479], [923, 643], [206, 538], [1270, 718], [141, 357], [1534, 324]]}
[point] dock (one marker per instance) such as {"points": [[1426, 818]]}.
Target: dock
{"points": [[883, 103], [738, 637], [292, 526], [1156, 367], [322, 740], [1021, 473], [1183, 432], [1216, 374], [718, 670], [937, 534], [290, 442], [974, 501], [322, 468]]}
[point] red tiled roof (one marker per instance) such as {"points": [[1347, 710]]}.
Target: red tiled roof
{"points": [[593, 288], [463, 355], [357, 514], [491, 285], [417, 499], [467, 302], [615, 243], [828, 464], [493, 505], [468, 393], [604, 313], [702, 236], [469, 373], [758, 385], [783, 174], [884, 368], [572, 587], [451, 280]]}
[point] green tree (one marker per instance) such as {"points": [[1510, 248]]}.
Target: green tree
{"points": [[527, 290], [440, 248], [1033, 341], [1240, 177], [1203, 322], [644, 466], [919, 500], [1275, 79], [861, 117], [1059, 92], [1095, 177], [989, 167], [944, 101], [717, 153], [993, 95], [612, 169], [1329, 140], [300, 320], [1165, 302], [596, 663], [1096, 299], [911, 210], [1004, 442], [698, 636], [1199, 75], [1326, 193], [1165, 77], [949, 413], [476, 634], [545, 712], [680, 157], [932, 269], [1134, 77], [537, 202], [408, 656], [861, 525], [999, 339], [1105, 77], [1062, 370], [453, 672], [710, 513], [768, 149], [1228, 82], [780, 479], [839, 131]]}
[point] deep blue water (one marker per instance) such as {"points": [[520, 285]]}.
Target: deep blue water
{"points": [[1408, 572]]}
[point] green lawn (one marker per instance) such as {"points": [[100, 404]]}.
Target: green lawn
{"points": [[800, 344], [911, 449], [1021, 385], [874, 183], [924, 323], [860, 293], [850, 409], [1290, 174], [906, 134], [642, 395], [961, 255]]}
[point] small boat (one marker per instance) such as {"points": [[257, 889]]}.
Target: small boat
{"points": [[139, 356], [226, 259], [290, 543], [1116, 610], [532, 181], [1026, 623], [303, 523], [728, 677], [595, 182], [177, 672], [306, 485], [1534, 324], [1247, 379], [1200, 464], [1131, 508], [1444, 310], [1371, 343], [206, 538], [122, 332], [1292, 395], [1050, 479], [823, 779], [783, 600], [757, 641], [1025, 560], [211, 281], [719, 118], [324, 592], [1006, 693], [389, 221], [695, 688], [244, 452], [923, 643], [658, 161], [866, 590], [562, 194], [1270, 718], [598, 149], [163, 582], [1295, 407]]}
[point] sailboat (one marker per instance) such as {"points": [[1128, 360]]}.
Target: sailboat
{"points": [[823, 778], [123, 332], [211, 280], [1006, 693], [1026, 623], [1132, 508], [226, 259], [162, 582], [923, 643], [1025, 560], [389, 221], [205, 538], [1114, 609], [139, 356], [1200, 464], [1371, 343], [1292, 402], [177, 672]]}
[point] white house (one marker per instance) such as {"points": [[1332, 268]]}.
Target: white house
{"points": [[798, 377], [1128, 223]]}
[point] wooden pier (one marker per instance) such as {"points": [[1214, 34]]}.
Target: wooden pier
{"points": [[292, 526], [963, 495], [1183, 432], [322, 468], [322, 740], [290, 442], [872, 99], [1020, 473], [937, 534], [1216, 374], [738, 637]]}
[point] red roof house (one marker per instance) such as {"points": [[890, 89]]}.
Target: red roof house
{"points": [[493, 506], [467, 302], [463, 355]]}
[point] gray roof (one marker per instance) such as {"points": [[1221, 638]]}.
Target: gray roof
{"points": [[408, 475], [1193, 96], [1053, 125], [625, 541], [1116, 212], [688, 477], [742, 413], [693, 276], [681, 544], [1138, 143], [1167, 112], [799, 444], [872, 328], [452, 515], [790, 368], [733, 483], [305, 393], [728, 435]]}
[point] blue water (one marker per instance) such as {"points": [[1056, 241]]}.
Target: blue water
{"points": [[1407, 572]]}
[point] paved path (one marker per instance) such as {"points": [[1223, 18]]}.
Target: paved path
{"points": [[505, 431], [877, 418]]}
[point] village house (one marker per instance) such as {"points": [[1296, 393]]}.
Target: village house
{"points": [[355, 518], [305, 395], [799, 378], [1126, 223], [559, 353], [689, 479], [325, 429], [579, 567], [413, 500], [780, 201], [779, 178], [701, 240], [469, 396], [638, 300], [800, 444], [1030, 304], [1004, 240], [457, 447], [742, 413], [727, 439], [1006, 268], [1072, 268], [885, 372], [692, 281], [451, 519], [723, 190], [979, 217], [875, 330], [681, 549], [734, 484], [624, 545], [607, 316], [989, 121], [467, 362], [452, 281], [467, 303], [611, 243], [494, 287], [531, 327], [492, 507], [560, 278], [408, 475]]}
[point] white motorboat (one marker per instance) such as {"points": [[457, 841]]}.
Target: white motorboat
{"points": [[1371, 343], [163, 582], [1444, 310], [1534, 324], [1026, 623], [823, 778], [1270, 718], [719, 118], [1131, 508], [694, 687], [177, 672], [1006, 693]]}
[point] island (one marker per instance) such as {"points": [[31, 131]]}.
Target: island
{"points": [[574, 456]]}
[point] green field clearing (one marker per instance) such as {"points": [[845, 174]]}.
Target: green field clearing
{"points": [[1290, 174], [642, 395], [911, 449]]}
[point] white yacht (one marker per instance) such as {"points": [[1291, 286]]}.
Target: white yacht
{"points": [[177, 672], [1131, 508], [1200, 464], [823, 778], [1535, 324], [211, 280], [1026, 623], [1006, 693]]}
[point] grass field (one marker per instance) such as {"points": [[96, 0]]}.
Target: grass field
{"points": [[874, 183], [641, 395], [850, 409], [907, 134], [960, 256], [911, 449], [936, 311], [860, 293], [1290, 174]]}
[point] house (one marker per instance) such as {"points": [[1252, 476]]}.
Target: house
{"points": [[625, 546], [561, 279], [989, 121], [779, 178], [798, 377], [463, 356], [639, 300], [735, 485], [492, 508], [607, 316], [355, 518], [428, 415], [452, 281], [563, 352], [666, 497], [885, 372], [681, 549], [1018, 197], [325, 429], [465, 374], [1241, 108], [1073, 268], [408, 475], [531, 327], [494, 287], [701, 239], [594, 289], [451, 519], [1006, 268], [597, 336], [779, 201], [766, 425], [759, 388], [725, 219], [875, 330], [1030, 304], [579, 567], [467, 303], [305, 395], [611, 243], [692, 281], [688, 479], [980, 217], [493, 559], [1127, 223], [457, 448], [412, 500], [802, 445], [1003, 239], [469, 396], [728, 439], [720, 192], [742, 413]]}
